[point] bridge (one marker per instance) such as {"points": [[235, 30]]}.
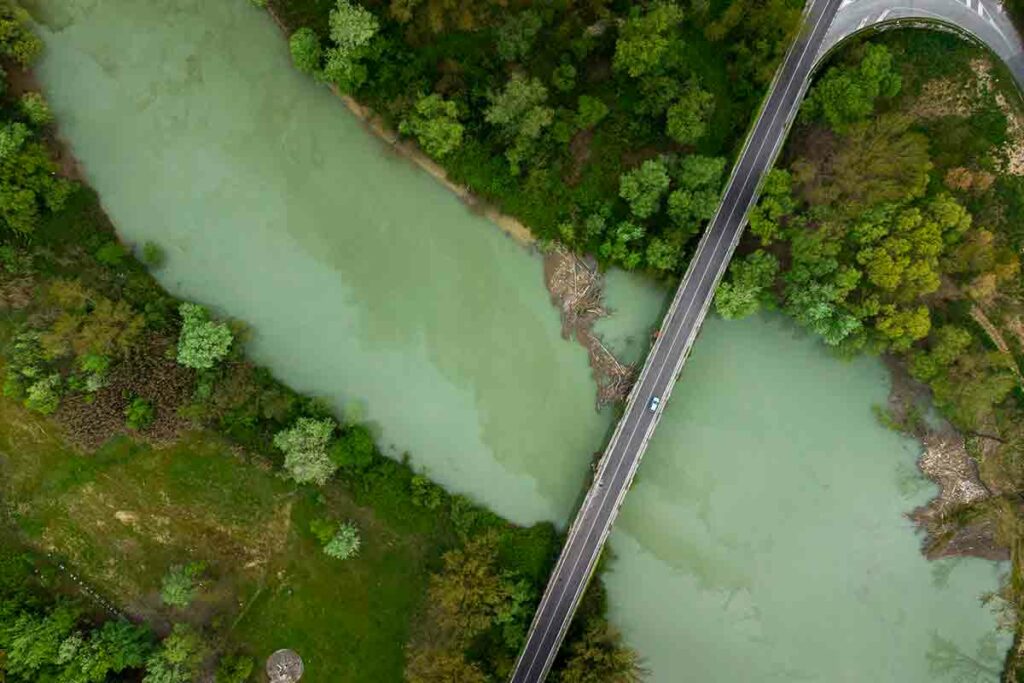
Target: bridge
{"points": [[824, 25]]}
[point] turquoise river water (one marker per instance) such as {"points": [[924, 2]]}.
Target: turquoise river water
{"points": [[765, 538]]}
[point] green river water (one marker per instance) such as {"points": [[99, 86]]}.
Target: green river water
{"points": [[765, 538]]}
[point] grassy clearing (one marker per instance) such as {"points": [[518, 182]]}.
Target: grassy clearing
{"points": [[123, 515]]}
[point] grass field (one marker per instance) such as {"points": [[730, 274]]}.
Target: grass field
{"points": [[123, 515]]}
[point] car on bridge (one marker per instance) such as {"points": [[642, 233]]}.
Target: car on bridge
{"points": [[653, 405]]}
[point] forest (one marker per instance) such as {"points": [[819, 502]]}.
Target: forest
{"points": [[608, 126]]}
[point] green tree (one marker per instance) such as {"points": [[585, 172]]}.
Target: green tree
{"points": [[698, 180], [845, 95], [36, 110], [877, 161], [435, 123], [235, 669], [644, 186], [305, 450], [345, 543], [178, 659], [688, 117], [590, 111], [600, 657], [623, 245], [564, 77], [749, 285], [521, 116], [32, 641], [43, 395], [202, 342], [662, 254], [352, 28], [516, 36], [30, 188], [775, 204], [306, 51], [178, 587], [645, 38], [354, 449], [16, 40]]}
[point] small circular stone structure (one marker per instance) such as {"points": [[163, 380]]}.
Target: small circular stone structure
{"points": [[284, 666]]}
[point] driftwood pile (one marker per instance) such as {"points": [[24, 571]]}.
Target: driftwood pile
{"points": [[577, 289]]}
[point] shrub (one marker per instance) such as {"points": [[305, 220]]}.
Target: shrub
{"points": [[202, 342], [153, 255], [306, 50], [139, 414], [234, 669], [178, 588], [345, 543], [355, 448], [111, 254], [305, 450], [35, 109], [43, 396], [323, 529], [426, 493]]}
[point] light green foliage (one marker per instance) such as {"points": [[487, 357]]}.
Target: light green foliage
{"points": [[695, 199], [947, 344], [352, 28], [153, 255], [645, 38], [258, 3], [43, 395], [202, 342], [519, 112], [590, 111], [622, 246], [94, 367], [662, 254], [31, 641], [435, 123], [354, 449], [139, 414], [847, 94], [36, 110], [25, 364], [748, 286], [323, 529], [688, 117], [178, 588], [235, 669], [516, 35], [306, 50], [776, 203], [643, 187], [305, 450], [564, 77], [426, 493], [16, 40], [345, 543], [29, 185], [178, 659], [111, 254]]}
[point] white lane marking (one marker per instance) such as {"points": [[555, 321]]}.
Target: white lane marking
{"points": [[675, 339], [883, 15], [862, 23]]}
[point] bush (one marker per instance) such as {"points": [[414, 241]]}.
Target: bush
{"points": [[153, 255], [345, 543], [43, 396], [178, 588], [354, 450], [235, 669], [202, 342], [139, 414], [111, 254], [305, 450], [306, 50], [426, 493], [35, 109]]}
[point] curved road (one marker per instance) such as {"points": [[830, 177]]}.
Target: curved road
{"points": [[826, 23]]}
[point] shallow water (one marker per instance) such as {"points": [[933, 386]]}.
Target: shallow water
{"points": [[764, 539]]}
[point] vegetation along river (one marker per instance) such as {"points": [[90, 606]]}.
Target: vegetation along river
{"points": [[765, 538]]}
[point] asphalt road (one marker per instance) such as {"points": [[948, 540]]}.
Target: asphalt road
{"points": [[618, 465], [985, 20]]}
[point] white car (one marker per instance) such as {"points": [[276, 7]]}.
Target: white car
{"points": [[653, 405]]}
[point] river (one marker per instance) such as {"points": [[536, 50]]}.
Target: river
{"points": [[764, 539]]}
